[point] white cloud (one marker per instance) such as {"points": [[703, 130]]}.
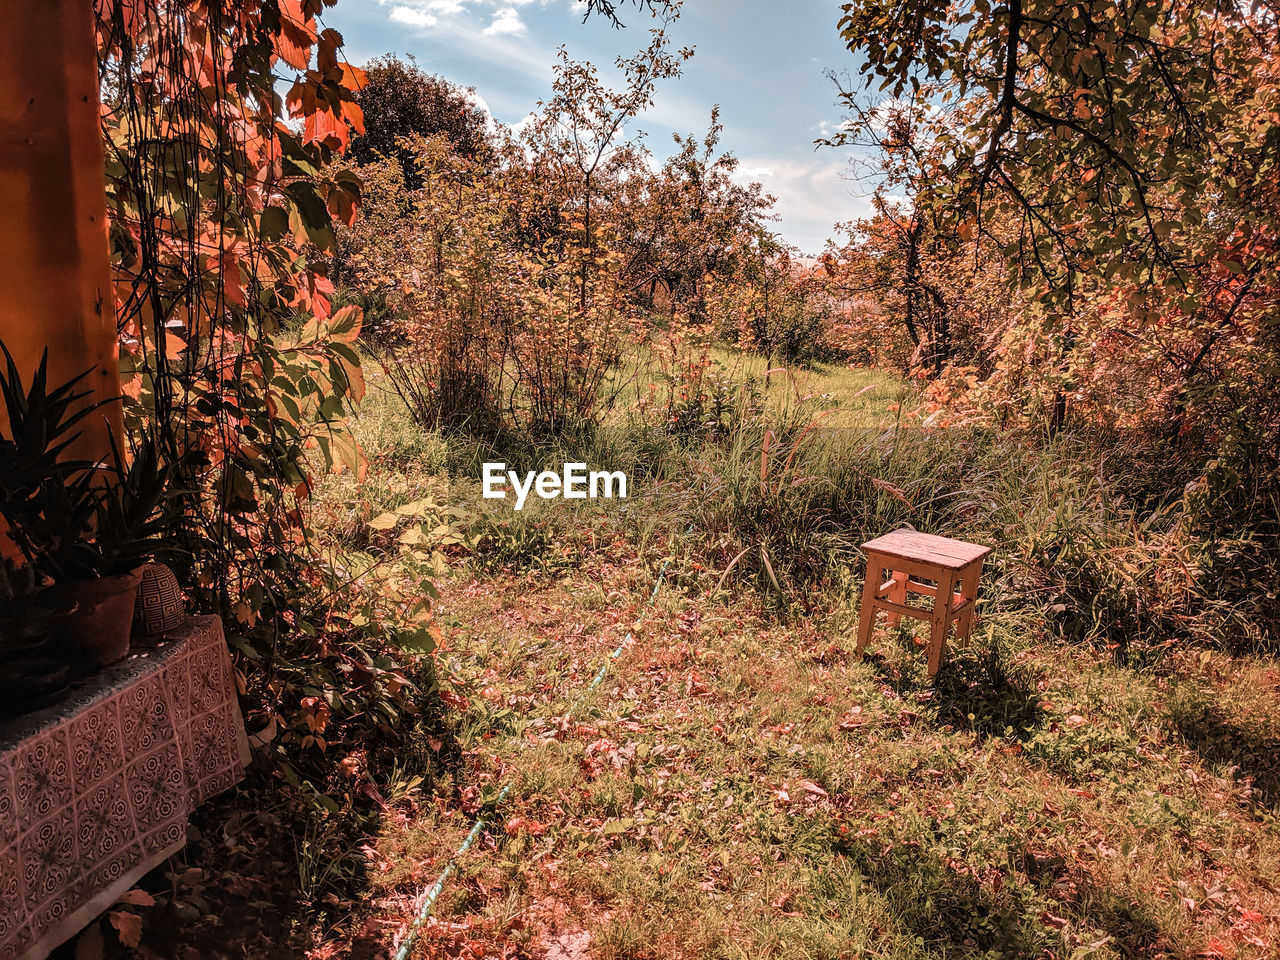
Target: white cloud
{"points": [[423, 14], [413, 17], [457, 24], [519, 127], [490, 122], [826, 128], [433, 7], [480, 102], [505, 22], [809, 194]]}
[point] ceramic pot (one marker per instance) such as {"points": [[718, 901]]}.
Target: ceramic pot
{"points": [[31, 682], [97, 633], [159, 607], [31, 676]]}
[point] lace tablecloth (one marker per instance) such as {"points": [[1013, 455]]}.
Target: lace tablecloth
{"points": [[96, 790]]}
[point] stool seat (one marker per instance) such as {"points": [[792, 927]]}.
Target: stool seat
{"points": [[926, 547], [955, 566]]}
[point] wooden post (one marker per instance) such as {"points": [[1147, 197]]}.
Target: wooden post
{"points": [[55, 277], [898, 594]]}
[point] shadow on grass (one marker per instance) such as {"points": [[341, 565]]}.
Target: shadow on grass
{"points": [[953, 914], [1223, 742], [1133, 928], [948, 911], [1131, 925], [981, 696], [973, 692]]}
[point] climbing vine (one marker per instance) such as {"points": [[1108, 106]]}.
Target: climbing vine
{"points": [[222, 197]]}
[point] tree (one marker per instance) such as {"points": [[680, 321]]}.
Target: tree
{"points": [[446, 257], [400, 100], [609, 8], [685, 224], [216, 207], [579, 312], [1122, 155], [510, 281]]}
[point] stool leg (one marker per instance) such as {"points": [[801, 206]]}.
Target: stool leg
{"points": [[867, 617], [941, 620], [968, 591], [898, 594]]}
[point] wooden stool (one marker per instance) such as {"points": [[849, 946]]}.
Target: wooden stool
{"points": [[953, 564]]}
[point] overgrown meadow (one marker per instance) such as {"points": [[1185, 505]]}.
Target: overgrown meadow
{"points": [[1090, 777], [1055, 335]]}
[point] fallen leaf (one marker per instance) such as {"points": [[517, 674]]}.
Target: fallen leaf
{"points": [[812, 788], [128, 926], [137, 898]]}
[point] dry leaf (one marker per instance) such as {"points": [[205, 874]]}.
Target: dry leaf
{"points": [[128, 926], [137, 898]]}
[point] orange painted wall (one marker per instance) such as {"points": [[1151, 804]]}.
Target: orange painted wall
{"points": [[55, 283]]}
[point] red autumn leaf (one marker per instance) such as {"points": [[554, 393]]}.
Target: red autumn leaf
{"points": [[297, 35], [327, 46], [323, 127], [342, 205], [353, 113], [353, 78], [301, 99]]}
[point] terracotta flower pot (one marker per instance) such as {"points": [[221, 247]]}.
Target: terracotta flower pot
{"points": [[97, 633]]}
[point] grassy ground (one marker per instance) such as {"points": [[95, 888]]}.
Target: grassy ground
{"points": [[740, 785], [852, 398]]}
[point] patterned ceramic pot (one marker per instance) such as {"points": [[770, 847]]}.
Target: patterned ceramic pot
{"points": [[159, 606]]}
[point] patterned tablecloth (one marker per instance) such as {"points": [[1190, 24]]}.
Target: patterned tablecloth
{"points": [[95, 791]]}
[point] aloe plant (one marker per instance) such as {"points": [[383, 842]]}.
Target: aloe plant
{"points": [[72, 519]]}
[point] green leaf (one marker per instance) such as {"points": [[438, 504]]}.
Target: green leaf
{"points": [[384, 521], [274, 224], [420, 640]]}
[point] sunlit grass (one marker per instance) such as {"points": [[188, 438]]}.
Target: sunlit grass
{"points": [[851, 397], [740, 785]]}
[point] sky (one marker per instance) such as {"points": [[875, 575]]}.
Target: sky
{"points": [[763, 61]]}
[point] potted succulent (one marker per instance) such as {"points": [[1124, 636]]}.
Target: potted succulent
{"points": [[83, 527], [33, 676]]}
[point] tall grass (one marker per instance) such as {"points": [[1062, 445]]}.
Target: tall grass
{"points": [[1097, 535]]}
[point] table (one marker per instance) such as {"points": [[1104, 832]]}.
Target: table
{"points": [[955, 567], [95, 791]]}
